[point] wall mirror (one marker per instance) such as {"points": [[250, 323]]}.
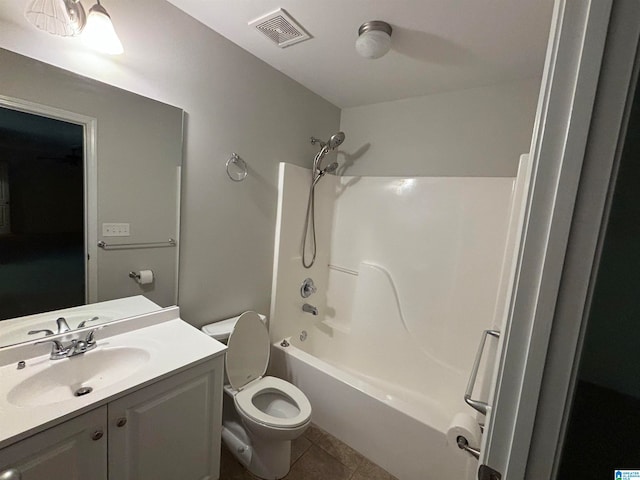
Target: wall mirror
{"points": [[89, 192]]}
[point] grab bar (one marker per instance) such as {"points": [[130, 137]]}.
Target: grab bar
{"points": [[122, 246], [478, 405]]}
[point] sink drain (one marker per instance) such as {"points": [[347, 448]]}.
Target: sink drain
{"points": [[83, 391]]}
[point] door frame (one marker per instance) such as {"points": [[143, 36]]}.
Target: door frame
{"points": [[563, 120], [614, 99], [89, 125]]}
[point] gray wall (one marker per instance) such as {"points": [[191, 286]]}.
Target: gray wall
{"points": [[476, 132], [139, 149], [234, 103]]}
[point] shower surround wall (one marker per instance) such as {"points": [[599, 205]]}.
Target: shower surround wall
{"points": [[408, 274]]}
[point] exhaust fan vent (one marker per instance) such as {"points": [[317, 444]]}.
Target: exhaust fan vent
{"points": [[280, 28]]}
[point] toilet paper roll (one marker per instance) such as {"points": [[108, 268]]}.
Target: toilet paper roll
{"points": [[145, 277], [465, 425]]}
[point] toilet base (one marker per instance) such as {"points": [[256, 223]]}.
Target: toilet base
{"points": [[267, 459], [270, 460]]}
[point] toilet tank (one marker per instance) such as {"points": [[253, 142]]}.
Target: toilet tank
{"points": [[221, 329]]}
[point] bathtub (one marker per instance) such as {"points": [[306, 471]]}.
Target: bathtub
{"points": [[409, 272], [404, 436]]}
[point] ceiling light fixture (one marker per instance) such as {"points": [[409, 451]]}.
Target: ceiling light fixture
{"points": [[65, 18], [374, 39], [99, 32]]}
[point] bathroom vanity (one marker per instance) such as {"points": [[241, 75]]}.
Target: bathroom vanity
{"points": [[153, 410]]}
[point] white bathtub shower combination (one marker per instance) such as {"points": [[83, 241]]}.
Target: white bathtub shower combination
{"points": [[408, 274]]}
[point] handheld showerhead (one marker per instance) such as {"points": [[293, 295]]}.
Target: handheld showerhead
{"points": [[336, 140], [332, 167]]}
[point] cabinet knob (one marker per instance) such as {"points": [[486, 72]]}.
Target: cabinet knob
{"points": [[97, 435], [11, 474], [122, 421]]}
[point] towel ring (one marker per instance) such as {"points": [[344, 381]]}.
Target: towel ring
{"points": [[236, 168]]}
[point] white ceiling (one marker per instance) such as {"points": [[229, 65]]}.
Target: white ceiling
{"points": [[437, 45]]}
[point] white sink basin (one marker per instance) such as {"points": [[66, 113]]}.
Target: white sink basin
{"points": [[37, 392], [64, 379]]}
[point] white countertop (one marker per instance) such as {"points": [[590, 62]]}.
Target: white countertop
{"points": [[173, 345]]}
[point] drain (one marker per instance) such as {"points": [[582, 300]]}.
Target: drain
{"points": [[83, 391]]}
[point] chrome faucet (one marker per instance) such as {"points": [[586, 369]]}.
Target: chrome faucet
{"points": [[309, 309], [84, 322], [61, 323], [63, 326], [75, 347], [46, 332]]}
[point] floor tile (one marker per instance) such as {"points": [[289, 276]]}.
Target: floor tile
{"points": [[370, 471], [316, 464], [298, 447], [334, 447]]}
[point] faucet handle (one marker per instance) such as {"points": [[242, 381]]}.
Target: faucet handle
{"points": [[46, 332], [57, 349], [90, 338], [84, 322], [63, 326]]}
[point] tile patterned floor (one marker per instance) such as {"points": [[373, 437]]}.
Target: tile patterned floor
{"points": [[316, 455]]}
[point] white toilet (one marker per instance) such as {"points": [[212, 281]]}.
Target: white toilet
{"points": [[261, 415]]}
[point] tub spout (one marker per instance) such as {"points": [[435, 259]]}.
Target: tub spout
{"points": [[309, 309]]}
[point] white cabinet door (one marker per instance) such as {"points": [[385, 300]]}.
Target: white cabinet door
{"points": [[74, 450], [169, 430]]}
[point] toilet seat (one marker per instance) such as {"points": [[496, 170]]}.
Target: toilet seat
{"points": [[244, 402]]}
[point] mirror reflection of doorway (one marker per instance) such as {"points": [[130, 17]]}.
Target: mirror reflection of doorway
{"points": [[42, 214]]}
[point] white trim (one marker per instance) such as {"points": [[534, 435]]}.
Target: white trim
{"points": [[560, 133], [90, 125], [606, 142]]}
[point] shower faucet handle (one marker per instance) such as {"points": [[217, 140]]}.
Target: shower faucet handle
{"points": [[308, 288]]}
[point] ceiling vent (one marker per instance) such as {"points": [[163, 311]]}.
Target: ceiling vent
{"points": [[280, 28]]}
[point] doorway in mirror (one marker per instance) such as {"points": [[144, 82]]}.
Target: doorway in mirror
{"points": [[42, 212]]}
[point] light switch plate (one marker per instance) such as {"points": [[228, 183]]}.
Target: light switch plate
{"points": [[115, 229]]}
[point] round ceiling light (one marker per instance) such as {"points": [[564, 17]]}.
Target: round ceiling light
{"points": [[374, 39]]}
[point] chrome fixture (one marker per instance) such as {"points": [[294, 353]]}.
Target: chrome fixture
{"points": [[63, 326], [308, 309], [463, 444], [76, 347], [84, 322], [317, 172], [308, 288], [303, 335], [46, 332], [130, 246], [21, 364], [284, 343], [478, 405], [374, 39], [237, 169]]}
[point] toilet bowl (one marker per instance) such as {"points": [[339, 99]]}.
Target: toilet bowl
{"points": [[261, 414]]}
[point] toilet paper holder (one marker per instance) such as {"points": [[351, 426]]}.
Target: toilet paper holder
{"points": [[134, 275], [463, 444]]}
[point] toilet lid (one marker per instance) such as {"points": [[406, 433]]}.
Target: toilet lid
{"points": [[247, 350]]}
